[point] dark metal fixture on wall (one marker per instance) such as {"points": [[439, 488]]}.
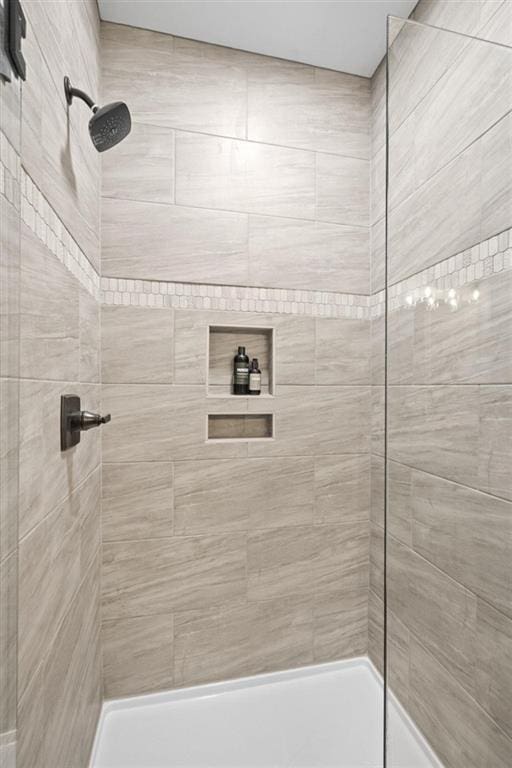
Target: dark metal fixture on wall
{"points": [[109, 124], [73, 421]]}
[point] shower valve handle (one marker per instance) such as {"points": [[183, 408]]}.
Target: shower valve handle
{"points": [[86, 420], [74, 421]]}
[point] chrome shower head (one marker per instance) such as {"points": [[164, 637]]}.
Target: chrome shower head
{"points": [[109, 124]]}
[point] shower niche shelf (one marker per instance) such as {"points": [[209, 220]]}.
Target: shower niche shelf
{"points": [[222, 345], [240, 427]]}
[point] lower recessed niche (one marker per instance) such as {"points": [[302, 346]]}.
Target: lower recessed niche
{"points": [[244, 426]]}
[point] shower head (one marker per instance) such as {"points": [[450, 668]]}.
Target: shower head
{"points": [[109, 124]]}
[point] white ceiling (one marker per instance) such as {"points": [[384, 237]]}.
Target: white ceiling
{"points": [[347, 35]]}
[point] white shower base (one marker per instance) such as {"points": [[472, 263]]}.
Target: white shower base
{"points": [[314, 717]]}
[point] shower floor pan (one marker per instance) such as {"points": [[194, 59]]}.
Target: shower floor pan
{"points": [[324, 715]]}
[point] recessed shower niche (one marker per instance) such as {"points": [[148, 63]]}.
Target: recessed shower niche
{"points": [[223, 343]]}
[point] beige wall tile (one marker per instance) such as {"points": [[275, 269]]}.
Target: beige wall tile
{"points": [[8, 647], [276, 492], [137, 501], [166, 242], [141, 578], [342, 488], [307, 560], [342, 351], [463, 735], [377, 496], [340, 625], [467, 425], [493, 684], [89, 337], [49, 314], [307, 421], [142, 166], [342, 190], [376, 630], [467, 534], [137, 655], [141, 425], [435, 608], [200, 87], [301, 106], [136, 345], [236, 640], [376, 578], [308, 255], [214, 172]]}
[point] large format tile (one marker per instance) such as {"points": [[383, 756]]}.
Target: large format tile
{"points": [[435, 608], [240, 639], [137, 500], [342, 488], [308, 255], [49, 313], [8, 642], [307, 560], [168, 242], [276, 492], [493, 678], [301, 106], [200, 87], [137, 655], [342, 190], [317, 420], [142, 167], [89, 337], [136, 345], [463, 735], [214, 172], [458, 432], [466, 533], [53, 559], [342, 351], [470, 345], [340, 625], [9, 466], [155, 576], [141, 425]]}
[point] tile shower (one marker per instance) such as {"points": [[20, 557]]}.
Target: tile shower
{"points": [[371, 499]]}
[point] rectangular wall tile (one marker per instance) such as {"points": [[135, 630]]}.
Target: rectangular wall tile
{"points": [[466, 533], [141, 578], [305, 254], [235, 640], [342, 488], [342, 351], [307, 560], [137, 501], [342, 190], [213, 172], [312, 108], [136, 345], [201, 87], [276, 492], [167, 242], [137, 655], [142, 167]]}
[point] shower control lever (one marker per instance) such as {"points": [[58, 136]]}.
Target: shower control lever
{"points": [[73, 421]]}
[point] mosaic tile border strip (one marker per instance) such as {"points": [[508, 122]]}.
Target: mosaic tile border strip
{"points": [[453, 281], [150, 293], [41, 219], [10, 170]]}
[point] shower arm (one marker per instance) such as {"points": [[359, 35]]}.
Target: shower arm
{"points": [[72, 92]]}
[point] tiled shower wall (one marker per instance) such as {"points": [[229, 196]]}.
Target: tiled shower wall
{"points": [[449, 375], [240, 198], [59, 660]]}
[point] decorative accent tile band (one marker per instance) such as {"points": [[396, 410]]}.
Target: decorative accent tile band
{"points": [[150, 293], [454, 281], [9, 172], [42, 220]]}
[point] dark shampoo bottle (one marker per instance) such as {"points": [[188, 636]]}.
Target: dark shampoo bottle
{"points": [[241, 373]]}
